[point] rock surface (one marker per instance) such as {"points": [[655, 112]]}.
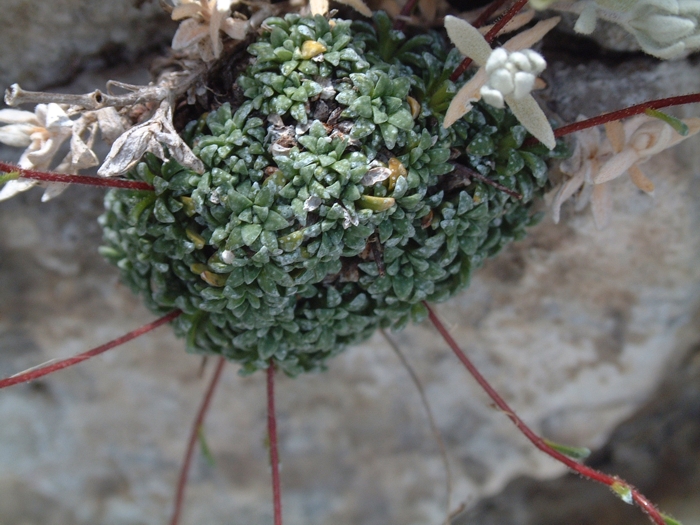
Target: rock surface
{"points": [[47, 43], [576, 328]]}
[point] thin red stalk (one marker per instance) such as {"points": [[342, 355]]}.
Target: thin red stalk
{"points": [[75, 179], [405, 12], [194, 435], [627, 112], [620, 114], [65, 363], [490, 36], [272, 434], [486, 13], [536, 440]]}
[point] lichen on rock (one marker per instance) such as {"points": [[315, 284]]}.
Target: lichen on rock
{"points": [[333, 200]]}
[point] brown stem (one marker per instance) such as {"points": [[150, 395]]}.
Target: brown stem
{"points": [[490, 36], [45, 176], [461, 169], [620, 114], [194, 435], [536, 440], [272, 434], [34, 373]]}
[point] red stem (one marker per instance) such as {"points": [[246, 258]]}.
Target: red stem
{"points": [[536, 440], [48, 369], [486, 13], [405, 12], [272, 434], [75, 179], [620, 114], [490, 36], [627, 112], [194, 435]]}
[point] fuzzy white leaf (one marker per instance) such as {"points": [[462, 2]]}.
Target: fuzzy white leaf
{"points": [[529, 38], [616, 166], [236, 29], [359, 6], [640, 180], [189, 33], [319, 7], [461, 103], [566, 191], [16, 135], [17, 116], [467, 39], [601, 205], [530, 115], [13, 187]]}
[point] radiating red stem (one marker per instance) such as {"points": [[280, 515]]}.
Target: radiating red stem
{"points": [[536, 440], [272, 434], [486, 13], [490, 36], [65, 363], [405, 12], [44, 176], [627, 112], [194, 435]]}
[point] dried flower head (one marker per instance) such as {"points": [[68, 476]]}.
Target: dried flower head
{"points": [[44, 132], [201, 26]]}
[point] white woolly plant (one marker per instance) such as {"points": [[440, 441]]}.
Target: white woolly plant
{"points": [[666, 29]]}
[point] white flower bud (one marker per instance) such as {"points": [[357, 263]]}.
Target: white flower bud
{"points": [[496, 60], [520, 61], [515, 75], [492, 97], [502, 80], [536, 61], [524, 82]]}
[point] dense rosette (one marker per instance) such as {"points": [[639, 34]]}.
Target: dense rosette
{"points": [[330, 204]]}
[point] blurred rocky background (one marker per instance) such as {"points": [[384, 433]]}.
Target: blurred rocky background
{"points": [[593, 337]]}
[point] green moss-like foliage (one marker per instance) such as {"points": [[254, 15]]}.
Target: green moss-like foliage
{"points": [[330, 205]]}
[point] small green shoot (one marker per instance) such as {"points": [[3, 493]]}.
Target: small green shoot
{"points": [[669, 520], [204, 447], [623, 491], [7, 177], [577, 453], [675, 123]]}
